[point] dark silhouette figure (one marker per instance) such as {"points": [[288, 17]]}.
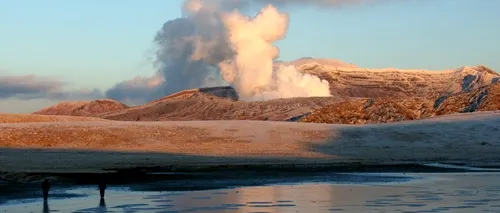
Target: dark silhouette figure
{"points": [[45, 207], [102, 206], [45, 188], [102, 186], [102, 203]]}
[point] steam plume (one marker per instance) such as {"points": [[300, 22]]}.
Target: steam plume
{"points": [[216, 43], [250, 70], [320, 3]]}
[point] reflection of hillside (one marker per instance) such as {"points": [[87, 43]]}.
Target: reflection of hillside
{"points": [[277, 199], [259, 199], [194, 201]]}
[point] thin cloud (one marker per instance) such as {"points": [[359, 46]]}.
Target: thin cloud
{"points": [[28, 87]]}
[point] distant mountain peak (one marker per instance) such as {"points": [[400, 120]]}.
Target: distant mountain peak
{"points": [[478, 69], [319, 61]]}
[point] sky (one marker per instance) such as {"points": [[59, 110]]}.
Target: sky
{"points": [[87, 47]]}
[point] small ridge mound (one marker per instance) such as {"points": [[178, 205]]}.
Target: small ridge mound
{"points": [[225, 92], [29, 118], [83, 108], [218, 103]]}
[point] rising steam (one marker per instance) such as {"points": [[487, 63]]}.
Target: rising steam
{"points": [[250, 70], [215, 43]]}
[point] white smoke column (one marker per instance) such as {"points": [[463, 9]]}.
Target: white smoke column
{"points": [[251, 70], [292, 83], [206, 47], [254, 53], [321, 3]]}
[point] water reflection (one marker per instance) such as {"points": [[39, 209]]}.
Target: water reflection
{"points": [[45, 207], [461, 194], [445, 193], [102, 204]]}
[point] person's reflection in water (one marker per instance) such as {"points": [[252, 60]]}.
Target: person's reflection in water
{"points": [[102, 204], [45, 188], [46, 207], [102, 185]]}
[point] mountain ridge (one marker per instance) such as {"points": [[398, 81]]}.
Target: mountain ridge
{"points": [[434, 92]]}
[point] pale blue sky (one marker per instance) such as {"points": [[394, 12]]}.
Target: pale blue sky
{"points": [[96, 43]]}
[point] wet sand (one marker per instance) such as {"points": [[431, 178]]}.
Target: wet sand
{"points": [[357, 192]]}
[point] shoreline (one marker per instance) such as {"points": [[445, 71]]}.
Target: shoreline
{"points": [[194, 173], [159, 180], [352, 193]]}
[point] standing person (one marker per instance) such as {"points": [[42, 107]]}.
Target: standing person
{"points": [[102, 186], [45, 188]]}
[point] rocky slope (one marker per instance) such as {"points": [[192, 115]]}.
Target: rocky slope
{"points": [[192, 105], [359, 95], [83, 108], [376, 83], [386, 110], [393, 95], [368, 111], [485, 98], [29, 118]]}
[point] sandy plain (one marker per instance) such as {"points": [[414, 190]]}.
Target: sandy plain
{"points": [[94, 146]]}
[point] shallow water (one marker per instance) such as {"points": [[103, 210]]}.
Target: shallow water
{"points": [[451, 192]]}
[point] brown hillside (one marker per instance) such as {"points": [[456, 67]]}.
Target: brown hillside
{"points": [[371, 111], [29, 118], [398, 95], [201, 106], [379, 83], [226, 92], [83, 108], [392, 90], [486, 98], [386, 110]]}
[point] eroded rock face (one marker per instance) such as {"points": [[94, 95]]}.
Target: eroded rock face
{"points": [[387, 110], [371, 111], [378, 83], [486, 98], [83, 108]]}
